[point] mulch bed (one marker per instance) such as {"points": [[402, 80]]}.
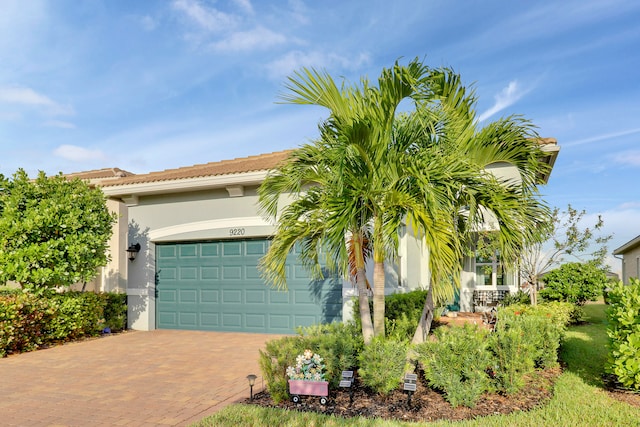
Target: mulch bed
{"points": [[426, 404]]}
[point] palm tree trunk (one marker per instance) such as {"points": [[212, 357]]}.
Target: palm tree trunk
{"points": [[378, 298], [363, 302], [424, 325], [361, 285]]}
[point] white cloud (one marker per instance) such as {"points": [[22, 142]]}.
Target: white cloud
{"points": [[28, 97], [507, 97], [299, 11], [258, 38], [603, 137], [78, 154], [245, 5], [295, 60], [631, 158], [206, 18], [60, 124], [148, 23]]}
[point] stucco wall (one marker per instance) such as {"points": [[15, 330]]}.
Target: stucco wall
{"points": [[630, 264]]}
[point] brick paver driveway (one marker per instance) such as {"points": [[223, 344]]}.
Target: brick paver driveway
{"points": [[131, 379]]}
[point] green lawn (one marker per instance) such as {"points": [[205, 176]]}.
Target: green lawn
{"points": [[578, 398]]}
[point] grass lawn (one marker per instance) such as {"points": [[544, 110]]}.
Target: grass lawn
{"points": [[578, 398]]}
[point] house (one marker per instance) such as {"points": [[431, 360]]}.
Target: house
{"points": [[197, 237], [630, 252]]}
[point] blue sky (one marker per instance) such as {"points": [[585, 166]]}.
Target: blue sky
{"points": [[149, 85]]}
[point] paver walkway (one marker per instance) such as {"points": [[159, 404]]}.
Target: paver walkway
{"points": [[159, 378]]}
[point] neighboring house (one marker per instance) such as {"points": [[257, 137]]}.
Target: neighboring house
{"points": [[630, 252], [201, 237]]}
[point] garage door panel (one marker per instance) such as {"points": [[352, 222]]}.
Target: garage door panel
{"points": [[255, 296], [169, 296], [168, 273], [256, 321], [256, 248], [166, 251], [187, 319], [217, 286], [232, 272], [188, 296], [209, 250], [252, 273], [188, 251], [299, 272], [279, 297], [305, 320], [231, 249], [210, 273], [209, 296], [209, 320], [232, 320], [188, 273], [167, 319], [230, 296]]}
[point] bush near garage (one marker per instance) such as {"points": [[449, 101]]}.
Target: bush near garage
{"points": [[623, 315], [337, 343], [28, 321], [456, 363], [24, 323]]}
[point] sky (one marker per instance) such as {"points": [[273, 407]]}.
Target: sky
{"points": [[156, 84]]}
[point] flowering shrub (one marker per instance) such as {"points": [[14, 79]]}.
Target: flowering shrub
{"points": [[309, 367]]}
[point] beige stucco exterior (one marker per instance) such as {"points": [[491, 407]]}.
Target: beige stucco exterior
{"points": [[206, 202], [630, 253]]}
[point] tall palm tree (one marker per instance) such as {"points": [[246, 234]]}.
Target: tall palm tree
{"points": [[445, 124], [367, 178]]}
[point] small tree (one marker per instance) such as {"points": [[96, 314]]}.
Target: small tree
{"points": [[564, 237], [574, 282], [53, 231]]}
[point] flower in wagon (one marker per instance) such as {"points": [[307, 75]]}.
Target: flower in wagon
{"points": [[309, 367]]}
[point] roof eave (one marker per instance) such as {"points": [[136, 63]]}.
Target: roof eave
{"points": [[550, 155], [627, 246], [190, 184]]}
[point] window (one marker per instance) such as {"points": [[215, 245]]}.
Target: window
{"points": [[491, 272]]}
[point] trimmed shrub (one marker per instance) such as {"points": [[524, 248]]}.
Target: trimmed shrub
{"points": [[574, 282], [457, 363], [526, 339], [562, 314], [401, 313], [519, 297], [337, 343], [382, 364], [23, 323], [623, 315], [77, 314], [28, 321], [513, 351], [115, 311]]}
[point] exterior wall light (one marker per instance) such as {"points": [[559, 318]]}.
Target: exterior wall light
{"points": [[132, 251], [252, 380]]}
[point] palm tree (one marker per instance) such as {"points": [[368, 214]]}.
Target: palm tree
{"points": [[444, 129], [319, 219], [365, 180]]}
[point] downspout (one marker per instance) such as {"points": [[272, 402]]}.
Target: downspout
{"points": [[622, 262]]}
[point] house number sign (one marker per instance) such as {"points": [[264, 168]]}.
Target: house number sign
{"points": [[236, 232]]}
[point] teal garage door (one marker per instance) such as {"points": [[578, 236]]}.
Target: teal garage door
{"points": [[217, 286]]}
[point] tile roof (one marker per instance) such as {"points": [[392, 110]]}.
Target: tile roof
{"points": [[106, 173], [262, 162]]}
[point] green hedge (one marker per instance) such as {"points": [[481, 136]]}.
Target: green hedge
{"points": [[28, 322], [337, 343], [623, 316]]}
